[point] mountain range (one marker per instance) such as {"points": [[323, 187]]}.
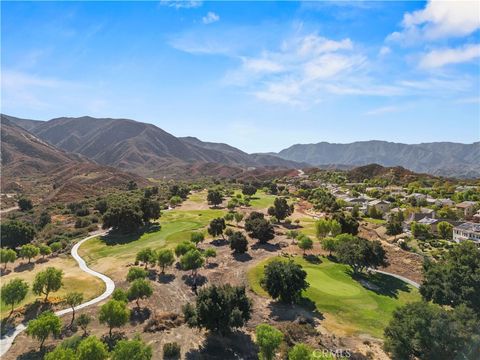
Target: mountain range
{"points": [[145, 149]]}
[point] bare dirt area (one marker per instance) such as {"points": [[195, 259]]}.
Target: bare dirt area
{"points": [[401, 262]]}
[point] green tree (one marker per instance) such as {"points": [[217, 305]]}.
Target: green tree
{"points": [[216, 227], [147, 256], [14, 292], [425, 331], [228, 216], [284, 280], [83, 321], [43, 326], [268, 341], [183, 248], [115, 314], [47, 281], [120, 295], [329, 244], [347, 222], [219, 309], [56, 246], [44, 219], [455, 279], [29, 251], [238, 217], [140, 289], [258, 227], [124, 217], [60, 353], [214, 197], [209, 253], [238, 242], [132, 185], [300, 352], [135, 273], [25, 204], [192, 260], [361, 254], [6, 256], [92, 349], [197, 237], [305, 243], [101, 206], [44, 250], [322, 228], [445, 230], [280, 209], [15, 233], [249, 190], [165, 258], [420, 231], [132, 350], [73, 299], [150, 209]]}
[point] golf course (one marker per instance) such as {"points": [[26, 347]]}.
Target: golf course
{"points": [[351, 306]]}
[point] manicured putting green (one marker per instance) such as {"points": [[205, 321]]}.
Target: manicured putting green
{"points": [[355, 307], [175, 226]]}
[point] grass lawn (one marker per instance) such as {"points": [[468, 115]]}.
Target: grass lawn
{"points": [[349, 306], [375, 221], [198, 197], [260, 200], [308, 227], [176, 225], [74, 280]]}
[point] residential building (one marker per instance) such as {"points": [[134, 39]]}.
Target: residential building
{"points": [[467, 231], [381, 206], [467, 208]]}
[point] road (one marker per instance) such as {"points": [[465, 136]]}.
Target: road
{"points": [[7, 340]]}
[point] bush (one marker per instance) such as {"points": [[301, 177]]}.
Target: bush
{"points": [[171, 350]]}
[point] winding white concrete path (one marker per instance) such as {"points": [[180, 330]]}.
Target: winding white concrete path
{"points": [[7, 340]]}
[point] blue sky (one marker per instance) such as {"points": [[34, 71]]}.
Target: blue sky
{"points": [[259, 76]]}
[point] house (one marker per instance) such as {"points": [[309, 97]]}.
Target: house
{"points": [[431, 223], [444, 202], [467, 208], [467, 231], [476, 217], [417, 216], [381, 206]]}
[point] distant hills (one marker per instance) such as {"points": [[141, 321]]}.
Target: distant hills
{"points": [[438, 158], [147, 150]]}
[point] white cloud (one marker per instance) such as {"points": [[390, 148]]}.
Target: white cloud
{"points": [[383, 110], [384, 50], [210, 18], [441, 57], [181, 4], [439, 19], [262, 65]]}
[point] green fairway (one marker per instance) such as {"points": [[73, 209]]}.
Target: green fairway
{"points": [[260, 200], [176, 225], [350, 306]]}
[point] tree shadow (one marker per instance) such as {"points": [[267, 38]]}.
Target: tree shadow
{"points": [[24, 267], [313, 259], [117, 238], [139, 315], [219, 242], [305, 308], [242, 257], [381, 284], [36, 308], [116, 337], [211, 265], [266, 246], [166, 278], [35, 354], [191, 280], [236, 345], [7, 325], [4, 272]]}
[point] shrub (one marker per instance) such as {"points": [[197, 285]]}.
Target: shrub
{"points": [[171, 350]]}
